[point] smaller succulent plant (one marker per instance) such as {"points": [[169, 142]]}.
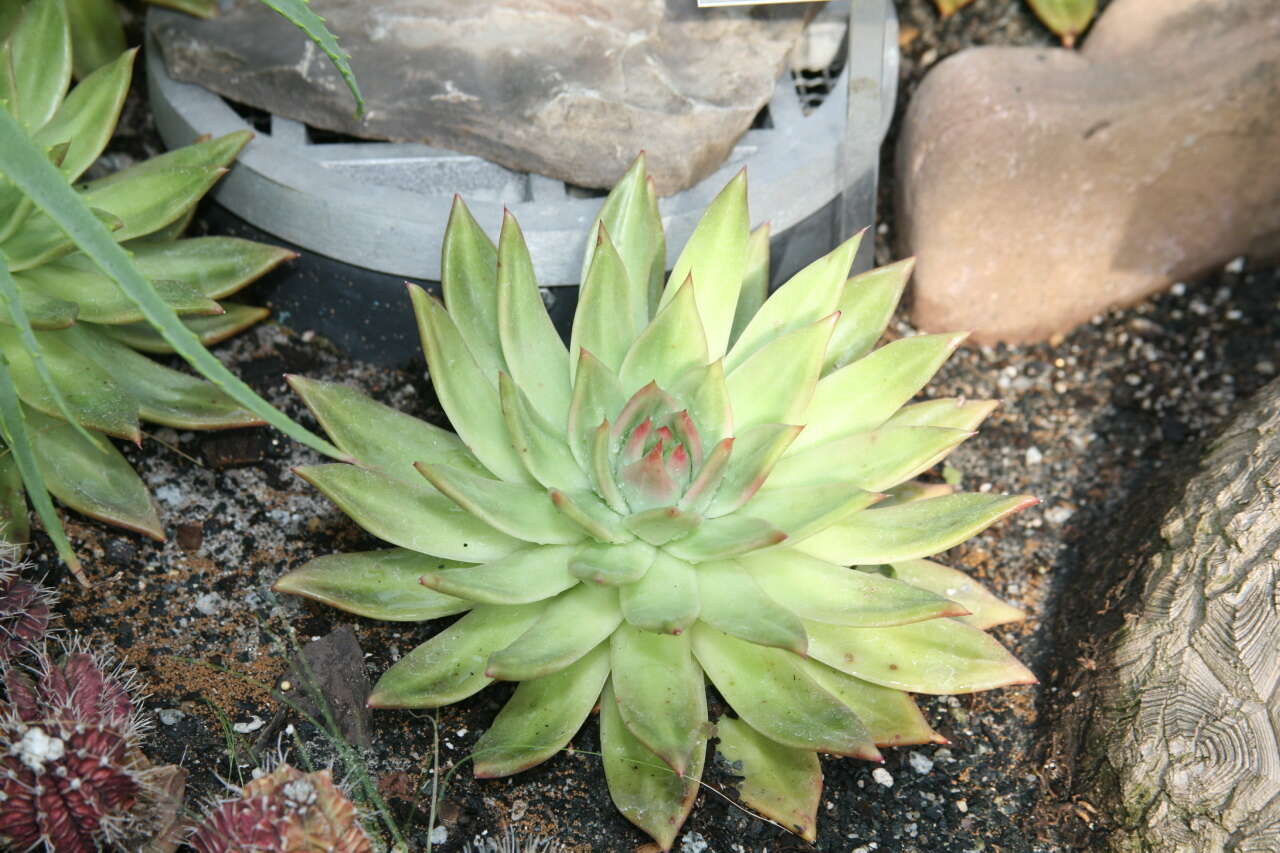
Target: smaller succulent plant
{"points": [[71, 774], [25, 609], [285, 811]]}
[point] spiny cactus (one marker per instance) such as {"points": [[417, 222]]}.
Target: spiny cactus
{"points": [[72, 774], [285, 811], [25, 608]]}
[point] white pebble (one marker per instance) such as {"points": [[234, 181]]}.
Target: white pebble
{"points": [[1034, 456], [919, 762], [884, 777], [1058, 514], [1235, 265], [170, 716], [209, 603], [253, 725], [439, 835], [962, 806]]}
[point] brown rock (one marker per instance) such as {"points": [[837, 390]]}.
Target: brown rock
{"points": [[572, 89], [1040, 186]]}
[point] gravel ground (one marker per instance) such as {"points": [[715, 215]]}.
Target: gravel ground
{"points": [[1088, 424]]}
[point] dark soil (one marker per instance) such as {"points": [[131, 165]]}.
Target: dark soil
{"points": [[1089, 424]]}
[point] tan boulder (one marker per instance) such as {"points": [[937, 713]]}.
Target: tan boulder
{"points": [[1040, 186]]}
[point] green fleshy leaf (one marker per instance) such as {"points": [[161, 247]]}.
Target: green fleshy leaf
{"points": [[769, 689], [866, 393], [87, 117], [216, 266], [939, 656], [706, 483], [782, 783], [630, 216], [520, 578], [525, 512], [604, 479], [755, 282], [669, 346], [866, 306], [705, 391], [572, 624], [734, 603], [946, 413], [914, 490], [589, 513], [199, 8], [94, 397], [378, 436], [777, 382], [375, 584], [39, 49], [646, 791], [541, 717], [665, 600], [534, 352], [891, 716], [597, 397], [14, 527], [727, 536], [818, 590], [91, 476], [1067, 18], [298, 13], [660, 693], [716, 258], [755, 452], [540, 445], [611, 312], [451, 665], [208, 330], [43, 313], [660, 526], [469, 398], [985, 610], [910, 530], [97, 34], [469, 279], [613, 565], [75, 279], [807, 298], [875, 460], [800, 511], [413, 517]]}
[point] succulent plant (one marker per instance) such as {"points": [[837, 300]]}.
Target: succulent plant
{"points": [[285, 811], [26, 608], [677, 496], [71, 774], [72, 341]]}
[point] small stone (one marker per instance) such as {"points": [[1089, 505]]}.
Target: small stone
{"points": [[1058, 514], [190, 536], [439, 835], [209, 603], [962, 806], [255, 723], [920, 762], [883, 777], [170, 716], [1034, 456]]}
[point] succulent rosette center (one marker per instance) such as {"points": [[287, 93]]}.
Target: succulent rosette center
{"points": [[708, 483]]}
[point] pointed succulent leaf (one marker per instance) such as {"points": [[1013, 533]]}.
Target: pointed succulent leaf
{"points": [[611, 312], [375, 584], [380, 437], [866, 393], [602, 473], [734, 603], [540, 445], [782, 783], [450, 666], [75, 279], [672, 344], [771, 692], [755, 282], [40, 52], [727, 536], [87, 117], [706, 483], [95, 398], [591, 515], [937, 656], [208, 329], [612, 565], [570, 626], [216, 266], [866, 306], [532, 349], [40, 239], [800, 511], [756, 450], [1067, 18], [647, 792], [660, 526], [665, 600], [528, 575], [597, 397], [716, 258], [704, 391], [413, 517], [469, 280], [809, 296], [469, 398], [91, 476], [777, 382], [910, 530], [985, 610], [97, 34], [817, 590], [946, 413], [630, 217], [14, 526], [875, 460], [891, 716], [525, 512], [43, 312], [541, 717], [914, 490], [660, 693]]}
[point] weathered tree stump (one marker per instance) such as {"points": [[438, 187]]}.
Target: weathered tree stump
{"points": [[1183, 747]]}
